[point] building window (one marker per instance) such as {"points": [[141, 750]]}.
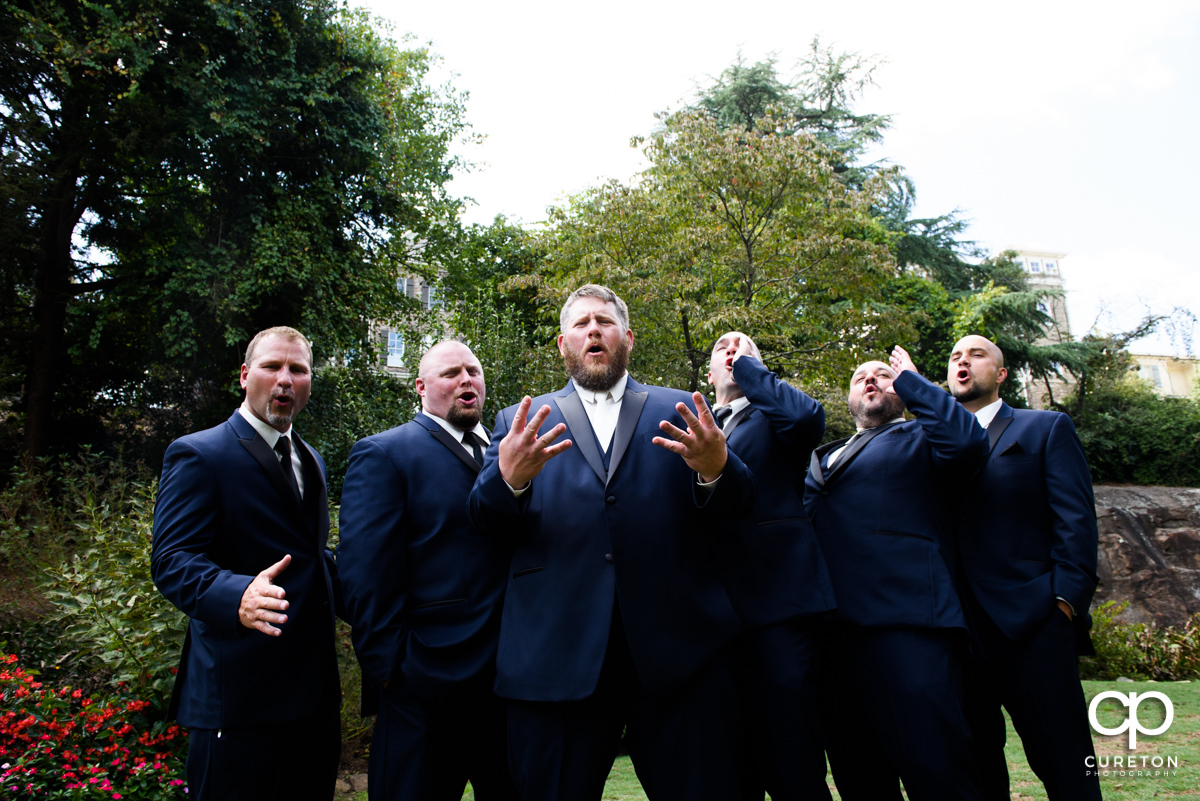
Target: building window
{"points": [[429, 297], [407, 287], [1155, 376], [1051, 268], [1035, 266], [395, 349]]}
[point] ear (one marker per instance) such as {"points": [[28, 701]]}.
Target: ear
{"points": [[1001, 374], [561, 352], [420, 385], [629, 336], [245, 375]]}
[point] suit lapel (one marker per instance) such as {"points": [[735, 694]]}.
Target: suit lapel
{"points": [[443, 436], [848, 455], [257, 447], [631, 411], [580, 429], [738, 419], [814, 462], [999, 423]]}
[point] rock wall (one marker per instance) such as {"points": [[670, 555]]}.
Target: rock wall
{"points": [[1150, 552]]}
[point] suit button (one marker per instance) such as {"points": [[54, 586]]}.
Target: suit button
{"points": [[610, 500], [608, 558]]}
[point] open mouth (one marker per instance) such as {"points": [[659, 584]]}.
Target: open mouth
{"points": [[964, 374], [596, 349], [467, 398]]}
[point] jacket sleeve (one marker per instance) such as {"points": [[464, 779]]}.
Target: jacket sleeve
{"points": [[372, 559], [955, 437], [491, 505], [188, 516], [796, 419], [1073, 507]]}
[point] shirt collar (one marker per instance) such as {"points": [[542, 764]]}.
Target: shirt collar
{"points": [[987, 414], [899, 419], [736, 405], [457, 432], [267, 432], [617, 391]]}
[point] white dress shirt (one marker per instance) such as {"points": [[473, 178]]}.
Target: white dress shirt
{"points": [[272, 437], [603, 408], [457, 433]]}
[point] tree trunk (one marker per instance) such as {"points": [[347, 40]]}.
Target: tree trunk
{"points": [[52, 292]]}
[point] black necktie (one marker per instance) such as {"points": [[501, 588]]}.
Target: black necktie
{"points": [[721, 415], [472, 439], [283, 446]]}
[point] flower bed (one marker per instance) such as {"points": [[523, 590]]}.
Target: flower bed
{"points": [[58, 743]]}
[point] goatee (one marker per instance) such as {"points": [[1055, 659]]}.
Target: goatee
{"points": [[464, 419], [599, 377]]}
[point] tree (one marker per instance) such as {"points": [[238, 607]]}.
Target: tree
{"points": [[818, 101], [731, 229], [179, 175]]}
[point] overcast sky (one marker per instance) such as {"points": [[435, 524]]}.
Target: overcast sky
{"points": [[1062, 126]]}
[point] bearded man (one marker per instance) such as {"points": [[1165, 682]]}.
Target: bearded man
{"points": [[880, 504], [615, 617]]}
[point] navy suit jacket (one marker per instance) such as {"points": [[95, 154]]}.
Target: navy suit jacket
{"points": [[772, 563], [640, 533], [423, 587], [225, 513], [1027, 531], [884, 513]]}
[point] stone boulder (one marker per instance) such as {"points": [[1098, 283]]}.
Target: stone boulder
{"points": [[1150, 552]]}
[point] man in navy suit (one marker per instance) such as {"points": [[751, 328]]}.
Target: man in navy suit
{"points": [[239, 546], [1027, 538], [774, 573], [423, 591], [879, 503], [615, 616]]}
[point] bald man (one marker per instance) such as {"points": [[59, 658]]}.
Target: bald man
{"points": [[879, 506], [774, 573], [423, 589], [1026, 529]]}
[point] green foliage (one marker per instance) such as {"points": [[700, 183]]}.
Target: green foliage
{"points": [[516, 362], [58, 743], [1141, 650], [42, 504], [180, 175], [730, 230], [1132, 436], [106, 599], [347, 404]]}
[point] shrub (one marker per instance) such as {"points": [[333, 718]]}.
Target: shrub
{"points": [[107, 600], [1141, 650], [58, 743]]}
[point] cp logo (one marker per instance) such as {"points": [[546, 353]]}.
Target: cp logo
{"points": [[1131, 723]]}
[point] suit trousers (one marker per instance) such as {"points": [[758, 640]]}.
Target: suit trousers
{"points": [[426, 749], [295, 760], [893, 711], [1037, 681], [776, 672], [684, 745]]}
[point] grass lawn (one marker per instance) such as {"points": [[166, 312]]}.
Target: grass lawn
{"points": [[1181, 742]]}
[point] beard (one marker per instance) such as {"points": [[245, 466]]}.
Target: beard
{"points": [[599, 377], [464, 419], [889, 407], [274, 419], [968, 394]]}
